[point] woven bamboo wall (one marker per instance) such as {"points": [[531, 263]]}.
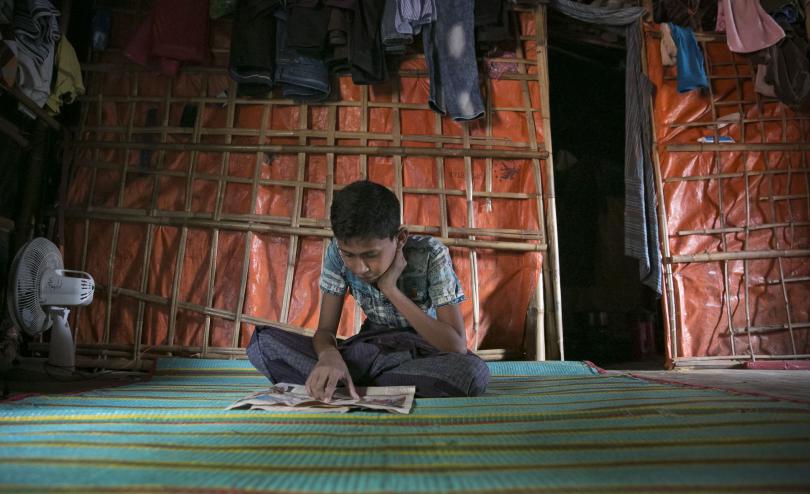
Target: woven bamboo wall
{"points": [[196, 233], [737, 216]]}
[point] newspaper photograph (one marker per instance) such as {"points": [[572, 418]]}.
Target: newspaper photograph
{"points": [[294, 398]]}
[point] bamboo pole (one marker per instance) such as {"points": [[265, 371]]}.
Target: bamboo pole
{"points": [[84, 114], [720, 212], [741, 121], [211, 70], [364, 136], [541, 39], [742, 358], [320, 149], [177, 217], [723, 147], [806, 173], [746, 247], [798, 279], [150, 228], [670, 319], [468, 186], [311, 232], [783, 197], [747, 331], [397, 131], [536, 306], [670, 311], [292, 251], [243, 100], [488, 133], [540, 341], [742, 229], [117, 224], [497, 142], [750, 173], [189, 192], [772, 200], [36, 109], [13, 132], [311, 185], [217, 215], [237, 326], [740, 255]]}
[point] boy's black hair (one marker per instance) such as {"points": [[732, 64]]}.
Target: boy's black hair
{"points": [[364, 210]]}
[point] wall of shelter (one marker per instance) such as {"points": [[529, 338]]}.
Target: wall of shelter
{"points": [[736, 217], [201, 213]]}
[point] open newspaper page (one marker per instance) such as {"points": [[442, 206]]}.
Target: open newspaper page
{"points": [[294, 397]]}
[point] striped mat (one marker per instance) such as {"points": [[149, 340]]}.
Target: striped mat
{"points": [[546, 427]]}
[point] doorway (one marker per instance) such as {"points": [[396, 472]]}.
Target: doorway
{"points": [[610, 318]]}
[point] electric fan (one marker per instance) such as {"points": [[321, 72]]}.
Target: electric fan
{"points": [[38, 293]]}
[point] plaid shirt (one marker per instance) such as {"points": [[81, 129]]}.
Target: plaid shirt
{"points": [[428, 280]]}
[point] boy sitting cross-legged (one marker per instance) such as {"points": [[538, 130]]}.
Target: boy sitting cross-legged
{"points": [[413, 334]]}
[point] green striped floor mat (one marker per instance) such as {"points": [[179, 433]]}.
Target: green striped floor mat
{"points": [[545, 427]]}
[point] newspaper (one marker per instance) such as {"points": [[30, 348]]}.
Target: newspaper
{"points": [[294, 398]]}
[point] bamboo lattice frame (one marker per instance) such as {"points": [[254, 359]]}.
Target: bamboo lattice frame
{"points": [[544, 336], [787, 178]]}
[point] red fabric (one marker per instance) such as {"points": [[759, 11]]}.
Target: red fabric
{"points": [[174, 31]]}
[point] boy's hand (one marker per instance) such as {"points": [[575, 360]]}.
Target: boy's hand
{"points": [[327, 374], [389, 278]]}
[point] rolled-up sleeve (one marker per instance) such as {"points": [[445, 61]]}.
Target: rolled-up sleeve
{"points": [[332, 281], [444, 287]]}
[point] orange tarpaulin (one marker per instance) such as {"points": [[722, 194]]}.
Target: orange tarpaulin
{"points": [[740, 199]]}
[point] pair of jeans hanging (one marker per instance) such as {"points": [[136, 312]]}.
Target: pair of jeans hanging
{"points": [[449, 44]]}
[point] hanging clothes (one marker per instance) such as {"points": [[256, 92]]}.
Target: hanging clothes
{"points": [[669, 52], [340, 22], [221, 8], [366, 51], [807, 19], [789, 72], [784, 12], [412, 15], [497, 69], [8, 59], [762, 86], [6, 11], [340, 25], [307, 26], [175, 31], [747, 26], [394, 42], [451, 62], [302, 78], [356, 40], [252, 62], [492, 21], [691, 72], [36, 32], [700, 15], [69, 82]]}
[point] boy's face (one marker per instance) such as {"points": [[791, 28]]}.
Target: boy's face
{"points": [[369, 258]]}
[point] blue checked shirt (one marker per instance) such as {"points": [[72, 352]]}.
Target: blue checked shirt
{"points": [[428, 279]]}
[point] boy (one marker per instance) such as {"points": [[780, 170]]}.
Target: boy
{"points": [[413, 334]]}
